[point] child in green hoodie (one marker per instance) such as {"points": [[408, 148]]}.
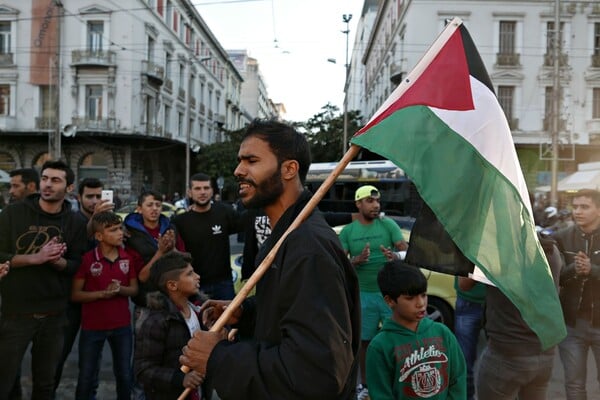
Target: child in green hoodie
{"points": [[412, 357]]}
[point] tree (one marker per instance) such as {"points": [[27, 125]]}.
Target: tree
{"points": [[325, 131], [220, 159]]}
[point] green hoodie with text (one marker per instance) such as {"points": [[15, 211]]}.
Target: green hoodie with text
{"points": [[428, 363]]}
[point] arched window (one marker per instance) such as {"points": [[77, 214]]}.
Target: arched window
{"points": [[93, 165]]}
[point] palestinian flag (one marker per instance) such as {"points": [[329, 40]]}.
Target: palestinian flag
{"points": [[444, 126]]}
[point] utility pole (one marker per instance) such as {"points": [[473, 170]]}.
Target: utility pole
{"points": [[555, 105], [54, 137], [346, 18]]}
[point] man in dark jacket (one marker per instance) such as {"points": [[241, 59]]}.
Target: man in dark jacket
{"points": [[305, 318], [580, 290], [43, 240]]}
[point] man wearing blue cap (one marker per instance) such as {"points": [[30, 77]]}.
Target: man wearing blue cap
{"points": [[370, 241]]}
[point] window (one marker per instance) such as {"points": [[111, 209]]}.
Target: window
{"points": [[167, 119], [93, 102], [150, 111], [180, 124], [550, 36], [597, 38], [46, 103], [95, 32], [505, 98], [168, 60], [181, 76], [507, 37], [5, 37], [4, 100], [201, 98], [151, 47], [596, 104]]}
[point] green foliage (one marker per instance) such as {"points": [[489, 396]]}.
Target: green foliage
{"points": [[325, 132]]}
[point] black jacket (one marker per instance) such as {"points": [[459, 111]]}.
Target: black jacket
{"points": [[158, 346], [24, 229], [579, 295], [306, 315]]}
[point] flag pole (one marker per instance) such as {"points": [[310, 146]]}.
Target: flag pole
{"points": [[268, 260]]}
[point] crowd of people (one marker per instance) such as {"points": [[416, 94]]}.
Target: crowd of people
{"points": [[332, 318]]}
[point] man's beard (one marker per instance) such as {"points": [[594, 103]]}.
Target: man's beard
{"points": [[265, 192]]}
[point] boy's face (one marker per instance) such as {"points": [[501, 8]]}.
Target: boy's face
{"points": [[111, 235], [189, 282], [408, 310], [150, 209]]}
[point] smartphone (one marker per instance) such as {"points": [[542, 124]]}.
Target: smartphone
{"points": [[107, 195]]}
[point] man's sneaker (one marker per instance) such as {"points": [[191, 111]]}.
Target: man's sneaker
{"points": [[362, 393]]}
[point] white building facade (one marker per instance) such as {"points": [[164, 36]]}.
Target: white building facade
{"points": [[515, 40], [135, 85]]}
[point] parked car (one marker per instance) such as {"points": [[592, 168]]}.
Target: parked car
{"points": [[168, 209]]}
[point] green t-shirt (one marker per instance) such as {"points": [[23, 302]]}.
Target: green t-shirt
{"points": [[354, 236], [475, 295]]}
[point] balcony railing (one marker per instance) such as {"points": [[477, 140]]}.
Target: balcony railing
{"points": [[181, 94], [102, 124], [153, 71], [507, 59], [202, 108], [192, 102], [45, 122], [596, 60], [548, 121], [563, 60], [210, 114], [154, 129], [94, 57], [6, 59]]}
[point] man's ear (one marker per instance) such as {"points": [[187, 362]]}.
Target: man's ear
{"points": [[289, 169]]}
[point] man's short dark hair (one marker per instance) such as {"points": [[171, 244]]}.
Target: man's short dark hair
{"points": [[285, 142], [168, 267], [200, 177], [93, 183], [105, 219], [60, 165], [590, 193], [398, 278], [149, 193], [27, 175]]}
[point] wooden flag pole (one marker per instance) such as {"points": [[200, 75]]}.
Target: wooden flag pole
{"points": [[266, 263]]}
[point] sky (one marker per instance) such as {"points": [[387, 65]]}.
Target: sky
{"points": [[292, 41]]}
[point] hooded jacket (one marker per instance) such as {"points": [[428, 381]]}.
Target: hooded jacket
{"points": [[158, 346], [306, 319], [577, 293], [428, 363], [24, 229], [141, 241]]}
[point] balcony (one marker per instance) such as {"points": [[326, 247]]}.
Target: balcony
{"points": [[192, 102], [93, 57], [563, 60], [210, 114], [508, 59], [153, 71], [548, 121], [181, 94], [154, 129], [6, 59], [202, 109], [168, 85], [220, 119], [45, 123], [596, 60], [100, 124]]}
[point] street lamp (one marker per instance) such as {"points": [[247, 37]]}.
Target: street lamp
{"points": [[346, 18]]}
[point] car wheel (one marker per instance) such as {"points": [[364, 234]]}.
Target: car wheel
{"points": [[440, 311]]}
